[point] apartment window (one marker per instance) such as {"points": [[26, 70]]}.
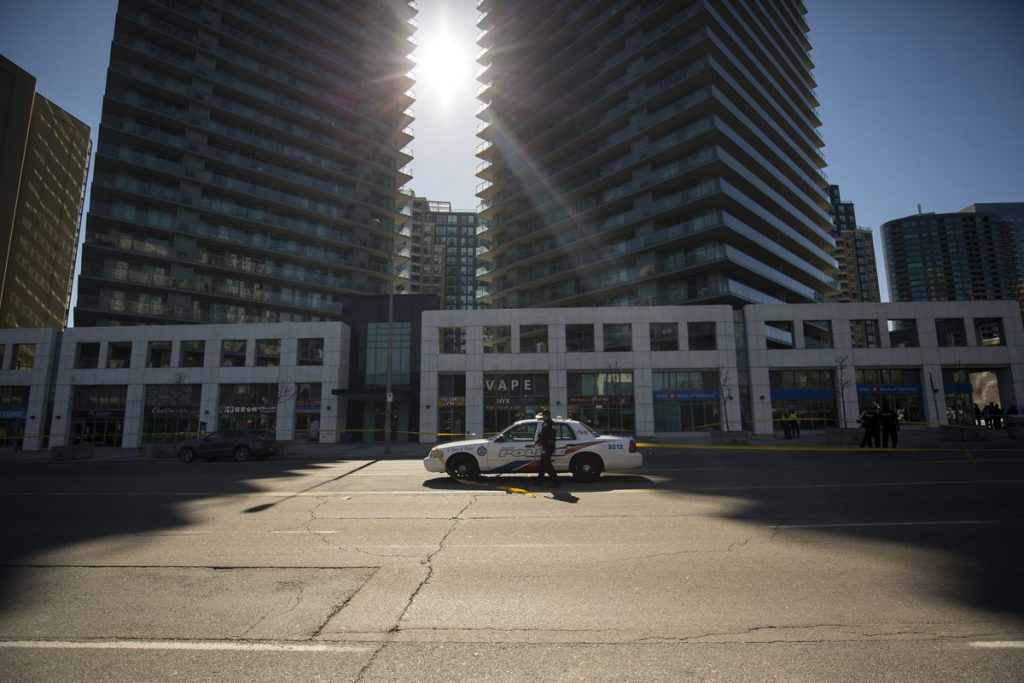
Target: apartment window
{"points": [[497, 339], [232, 353], [119, 355], [664, 336], [24, 356], [618, 337], [989, 332], [864, 334], [779, 334], [902, 334], [701, 336], [158, 354], [193, 354], [817, 334], [950, 332], [311, 351], [453, 339], [579, 337], [87, 355], [268, 353], [533, 338]]}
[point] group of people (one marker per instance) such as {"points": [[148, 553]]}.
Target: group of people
{"points": [[791, 424], [991, 415], [881, 425]]}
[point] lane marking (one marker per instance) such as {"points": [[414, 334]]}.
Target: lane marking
{"points": [[998, 644], [861, 524], [206, 645]]}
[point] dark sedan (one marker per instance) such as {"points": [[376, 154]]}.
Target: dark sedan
{"points": [[238, 444]]}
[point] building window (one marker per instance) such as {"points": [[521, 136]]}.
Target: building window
{"points": [[809, 393], [902, 334], [512, 396], [158, 354], [950, 332], [119, 355], [864, 334], [603, 400], [193, 354], [377, 353], [171, 412], [989, 332], [533, 338], [307, 410], [664, 336], [248, 406], [701, 336], [779, 334], [618, 337], [579, 337], [268, 353], [451, 407], [817, 334], [311, 351], [87, 355], [232, 353], [685, 400], [899, 387], [497, 339], [453, 339]]}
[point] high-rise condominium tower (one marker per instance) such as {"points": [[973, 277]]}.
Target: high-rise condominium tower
{"points": [[857, 279], [648, 153], [443, 253], [44, 161], [250, 161]]}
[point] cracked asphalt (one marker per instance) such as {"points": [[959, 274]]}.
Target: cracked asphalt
{"points": [[705, 565]]}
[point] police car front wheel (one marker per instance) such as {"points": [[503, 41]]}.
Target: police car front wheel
{"points": [[462, 467]]}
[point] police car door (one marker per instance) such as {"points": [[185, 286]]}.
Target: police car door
{"points": [[564, 445], [515, 449]]}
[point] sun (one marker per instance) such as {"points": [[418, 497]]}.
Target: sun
{"points": [[445, 68]]}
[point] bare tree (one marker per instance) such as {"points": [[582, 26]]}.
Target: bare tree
{"points": [[724, 394], [842, 382]]}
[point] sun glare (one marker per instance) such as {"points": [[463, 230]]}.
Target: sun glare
{"points": [[445, 68]]}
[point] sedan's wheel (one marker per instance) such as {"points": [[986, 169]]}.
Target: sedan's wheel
{"points": [[242, 453], [586, 467], [462, 467], [186, 455]]}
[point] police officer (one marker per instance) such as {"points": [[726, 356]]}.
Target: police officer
{"points": [[546, 441]]}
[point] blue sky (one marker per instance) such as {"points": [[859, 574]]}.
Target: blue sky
{"points": [[922, 100]]}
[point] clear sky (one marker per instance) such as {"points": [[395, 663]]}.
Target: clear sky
{"points": [[922, 101]]}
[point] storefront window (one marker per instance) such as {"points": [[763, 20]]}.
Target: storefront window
{"points": [[451, 407], [97, 414], [248, 406], [810, 393], [13, 413], [307, 410], [512, 396], [171, 412], [685, 400], [603, 400], [899, 387]]}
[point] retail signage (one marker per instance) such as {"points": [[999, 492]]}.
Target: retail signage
{"points": [[12, 414], [888, 389], [170, 411], [245, 410], [691, 395]]}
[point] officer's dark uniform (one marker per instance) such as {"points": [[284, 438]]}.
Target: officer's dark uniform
{"points": [[546, 441]]}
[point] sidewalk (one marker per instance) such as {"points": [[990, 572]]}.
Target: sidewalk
{"points": [[910, 437]]}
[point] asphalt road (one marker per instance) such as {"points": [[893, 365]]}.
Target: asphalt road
{"points": [[728, 565]]}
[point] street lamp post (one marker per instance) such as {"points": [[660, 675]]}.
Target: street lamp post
{"points": [[388, 394]]}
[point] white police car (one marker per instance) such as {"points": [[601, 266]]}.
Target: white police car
{"points": [[579, 450]]}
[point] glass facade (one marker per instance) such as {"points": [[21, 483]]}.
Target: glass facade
{"points": [[899, 387], [377, 353], [811, 393], [248, 406], [171, 412], [513, 396], [603, 400], [451, 407], [686, 400]]}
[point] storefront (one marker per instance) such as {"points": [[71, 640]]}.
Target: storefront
{"points": [[809, 393], [900, 388], [451, 407], [98, 415], [13, 413], [685, 400], [171, 412], [603, 400], [248, 406], [307, 410], [512, 396]]}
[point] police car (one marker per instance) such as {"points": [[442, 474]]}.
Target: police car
{"points": [[579, 450]]}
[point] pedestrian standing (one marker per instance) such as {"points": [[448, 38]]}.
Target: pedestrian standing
{"points": [[546, 440], [889, 422], [869, 423]]}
